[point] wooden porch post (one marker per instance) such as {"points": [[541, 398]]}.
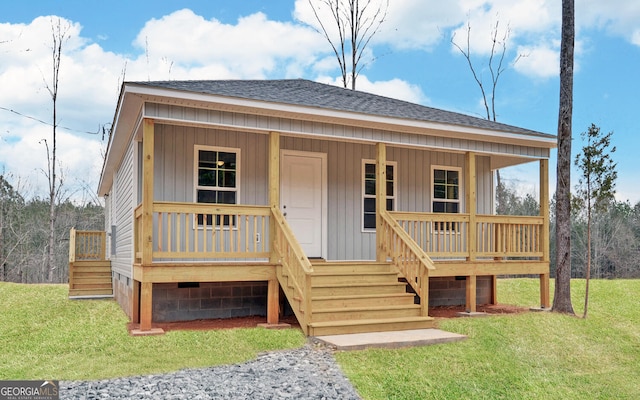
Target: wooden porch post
{"points": [[146, 306], [146, 290], [147, 190], [273, 291], [381, 197], [471, 294], [274, 188], [472, 231], [135, 303], [545, 301]]}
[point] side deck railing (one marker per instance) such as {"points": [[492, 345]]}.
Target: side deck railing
{"points": [[86, 245], [494, 236]]}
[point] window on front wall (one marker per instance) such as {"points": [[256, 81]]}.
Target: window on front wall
{"points": [[445, 193], [369, 192], [217, 180]]}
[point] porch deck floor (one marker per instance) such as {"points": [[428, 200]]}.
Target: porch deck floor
{"points": [[390, 340]]}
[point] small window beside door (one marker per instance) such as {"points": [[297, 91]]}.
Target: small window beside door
{"points": [[369, 192]]}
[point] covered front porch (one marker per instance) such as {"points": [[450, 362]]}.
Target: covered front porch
{"points": [[177, 242]]}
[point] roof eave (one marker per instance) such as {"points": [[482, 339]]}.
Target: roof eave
{"points": [[260, 107]]}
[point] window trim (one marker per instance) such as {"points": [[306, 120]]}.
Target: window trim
{"points": [[363, 194], [460, 186], [438, 226], [196, 160]]}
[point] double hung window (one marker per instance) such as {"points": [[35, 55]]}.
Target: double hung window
{"points": [[217, 180]]}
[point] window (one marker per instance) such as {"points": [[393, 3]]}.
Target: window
{"points": [[445, 192], [369, 192], [217, 179]]}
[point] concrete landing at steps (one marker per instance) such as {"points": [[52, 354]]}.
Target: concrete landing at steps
{"points": [[390, 340]]}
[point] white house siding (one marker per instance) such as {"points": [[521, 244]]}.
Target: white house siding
{"points": [[123, 204], [286, 126], [174, 162]]}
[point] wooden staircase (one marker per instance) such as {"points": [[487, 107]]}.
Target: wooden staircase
{"points": [[356, 297], [90, 278]]}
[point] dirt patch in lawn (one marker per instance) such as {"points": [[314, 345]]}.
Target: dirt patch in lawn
{"points": [[215, 324], [452, 311], [253, 321]]}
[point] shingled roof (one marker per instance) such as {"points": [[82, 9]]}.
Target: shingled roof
{"points": [[303, 92]]}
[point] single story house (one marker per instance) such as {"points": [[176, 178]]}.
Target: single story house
{"points": [[353, 211]]}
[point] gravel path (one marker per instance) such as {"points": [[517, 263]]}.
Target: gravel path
{"points": [[306, 373]]}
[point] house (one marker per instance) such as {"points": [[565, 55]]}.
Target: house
{"points": [[231, 198]]}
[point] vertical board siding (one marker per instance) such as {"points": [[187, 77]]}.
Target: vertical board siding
{"points": [[122, 214], [334, 130], [174, 163]]}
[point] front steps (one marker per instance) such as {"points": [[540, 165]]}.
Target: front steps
{"points": [[358, 297]]}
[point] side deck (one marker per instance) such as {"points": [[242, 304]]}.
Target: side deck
{"points": [[89, 270]]}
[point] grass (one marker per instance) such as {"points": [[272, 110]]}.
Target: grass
{"points": [[525, 356], [43, 335]]}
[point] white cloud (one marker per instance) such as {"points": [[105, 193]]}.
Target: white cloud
{"points": [[541, 61], [394, 88], [617, 17], [255, 47]]}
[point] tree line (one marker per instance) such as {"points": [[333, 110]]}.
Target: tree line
{"points": [[24, 235], [615, 237]]}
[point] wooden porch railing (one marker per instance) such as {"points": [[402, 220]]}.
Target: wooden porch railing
{"points": [[296, 266], [86, 245], [509, 236], [447, 235], [407, 257], [199, 231]]}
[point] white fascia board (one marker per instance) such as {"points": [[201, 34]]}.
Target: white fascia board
{"points": [[127, 117]]}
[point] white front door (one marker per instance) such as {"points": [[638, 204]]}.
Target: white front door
{"points": [[303, 198]]}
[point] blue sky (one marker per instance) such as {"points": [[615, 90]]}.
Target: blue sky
{"points": [[410, 58]]}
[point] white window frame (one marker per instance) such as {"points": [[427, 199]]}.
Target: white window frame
{"points": [[438, 226], [196, 160], [364, 196]]}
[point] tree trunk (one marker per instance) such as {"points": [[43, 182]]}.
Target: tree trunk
{"points": [[562, 293]]}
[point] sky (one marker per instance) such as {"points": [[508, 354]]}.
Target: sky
{"points": [[411, 57]]}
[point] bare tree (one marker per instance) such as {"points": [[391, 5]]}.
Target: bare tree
{"points": [[355, 23], [59, 35], [495, 63], [562, 291]]}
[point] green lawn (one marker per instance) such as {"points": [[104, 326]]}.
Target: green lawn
{"points": [[43, 335], [526, 356]]}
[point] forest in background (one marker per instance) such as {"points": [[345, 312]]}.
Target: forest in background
{"points": [[615, 240]]}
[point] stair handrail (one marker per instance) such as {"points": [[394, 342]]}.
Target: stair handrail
{"points": [[407, 256], [295, 264]]}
